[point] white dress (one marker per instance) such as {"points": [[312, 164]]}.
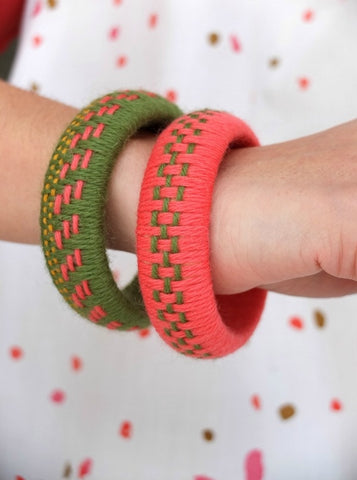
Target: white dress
{"points": [[81, 401]]}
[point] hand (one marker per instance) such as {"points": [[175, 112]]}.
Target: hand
{"points": [[284, 217]]}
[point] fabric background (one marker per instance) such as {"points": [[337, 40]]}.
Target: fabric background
{"points": [[79, 401]]}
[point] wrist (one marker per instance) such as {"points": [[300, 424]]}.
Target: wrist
{"points": [[124, 190]]}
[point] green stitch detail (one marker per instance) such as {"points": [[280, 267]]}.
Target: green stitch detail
{"points": [[181, 341], [167, 147], [174, 327], [166, 259], [175, 219], [180, 138], [184, 169], [173, 158], [181, 121], [180, 191], [207, 355], [163, 229], [155, 270], [203, 120], [153, 244], [174, 244], [156, 194], [168, 181], [197, 347], [153, 221], [165, 203], [174, 132], [197, 131], [183, 318], [169, 308], [193, 115], [160, 171], [189, 334], [175, 345], [156, 295], [188, 125], [189, 352], [177, 270], [167, 331], [179, 298], [167, 285], [190, 147], [160, 314]]}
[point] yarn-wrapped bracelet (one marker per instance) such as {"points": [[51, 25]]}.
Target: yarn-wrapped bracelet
{"points": [[73, 202], [173, 238]]}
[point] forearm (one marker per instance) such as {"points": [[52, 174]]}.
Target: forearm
{"points": [[30, 127]]}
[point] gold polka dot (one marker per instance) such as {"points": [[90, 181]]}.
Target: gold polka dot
{"points": [[34, 87], [208, 435], [274, 62], [320, 319], [213, 38], [287, 411], [52, 3], [67, 471]]}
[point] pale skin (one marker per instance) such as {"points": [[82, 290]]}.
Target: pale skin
{"points": [[283, 216]]}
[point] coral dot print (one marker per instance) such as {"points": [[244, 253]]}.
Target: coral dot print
{"points": [[16, 352], [76, 363], [296, 323], [336, 405], [126, 429]]}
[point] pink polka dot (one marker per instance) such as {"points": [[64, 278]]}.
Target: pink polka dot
{"points": [[153, 20], [304, 83], [171, 95], [117, 2], [76, 363], [235, 43], [202, 477], [115, 274], [57, 396], [256, 402], [37, 8], [113, 33], [85, 468], [308, 15], [253, 465], [16, 352], [37, 40], [144, 332], [122, 61]]}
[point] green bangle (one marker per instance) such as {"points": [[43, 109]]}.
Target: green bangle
{"points": [[73, 200]]}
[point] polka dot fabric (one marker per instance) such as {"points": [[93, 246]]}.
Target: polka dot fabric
{"points": [[81, 402]]}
